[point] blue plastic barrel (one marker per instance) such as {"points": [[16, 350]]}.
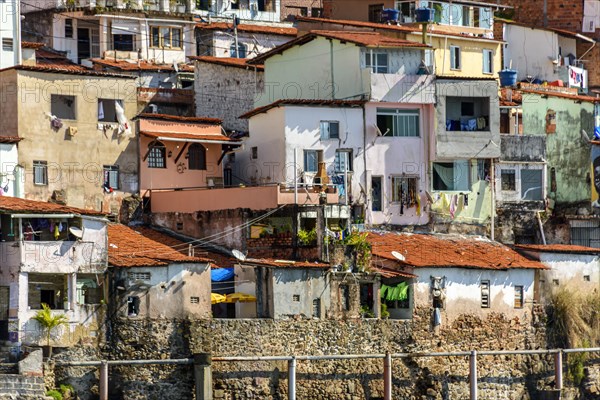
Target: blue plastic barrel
{"points": [[424, 14], [390, 14], [508, 77]]}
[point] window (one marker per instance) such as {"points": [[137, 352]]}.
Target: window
{"points": [[343, 161], [531, 184], [345, 297], [555, 282], [139, 276], [452, 176], [111, 177], [296, 297], [197, 157], [508, 179], [312, 159], [108, 110], [133, 306], [455, 57], [124, 42], [179, 226], [203, 5], [405, 190], [163, 36], [485, 294], [68, 28], [62, 107], [377, 61], [194, 300], [519, 297], [398, 122], [40, 172], [330, 130], [376, 193], [316, 12], [157, 155], [241, 53], [254, 153], [488, 61], [586, 278], [7, 44], [316, 308], [375, 12]]}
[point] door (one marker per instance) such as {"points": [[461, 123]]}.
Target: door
{"points": [[83, 44], [376, 193], [4, 300]]}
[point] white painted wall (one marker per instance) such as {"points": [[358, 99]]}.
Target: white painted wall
{"points": [[569, 270], [256, 43], [223, 8], [9, 158], [532, 51], [516, 195], [309, 283], [9, 28], [463, 291]]}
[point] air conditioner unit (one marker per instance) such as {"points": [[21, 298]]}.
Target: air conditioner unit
{"points": [[72, 131]]}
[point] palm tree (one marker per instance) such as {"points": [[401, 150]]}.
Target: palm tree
{"points": [[48, 322]]}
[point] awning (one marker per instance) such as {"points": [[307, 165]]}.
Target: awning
{"points": [[189, 137], [221, 274]]}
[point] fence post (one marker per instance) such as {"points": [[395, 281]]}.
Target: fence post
{"points": [[203, 376], [387, 377], [558, 370], [104, 380], [292, 379], [473, 375]]}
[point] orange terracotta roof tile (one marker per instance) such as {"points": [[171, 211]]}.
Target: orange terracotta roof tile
{"points": [[10, 139], [190, 136], [269, 30], [143, 247], [228, 62], [31, 45], [303, 102], [219, 260], [15, 205], [513, 100], [123, 65], [448, 251], [575, 97], [558, 248], [180, 118], [271, 262]]}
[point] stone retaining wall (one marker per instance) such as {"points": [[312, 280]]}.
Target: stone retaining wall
{"points": [[19, 385]]}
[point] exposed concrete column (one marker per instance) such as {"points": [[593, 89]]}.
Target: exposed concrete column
{"points": [[320, 229], [203, 376], [71, 291]]}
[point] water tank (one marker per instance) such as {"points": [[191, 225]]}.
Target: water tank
{"points": [[390, 14], [508, 77], [424, 15]]}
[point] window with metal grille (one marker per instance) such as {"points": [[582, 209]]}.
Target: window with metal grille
{"points": [[194, 300], [316, 308], [157, 156], [254, 155], [197, 157], [62, 107], [398, 122], [296, 297], [40, 172], [519, 297], [140, 276], [485, 294], [111, 176], [163, 36], [68, 28], [508, 179], [240, 53], [330, 130], [405, 190], [375, 11], [7, 44]]}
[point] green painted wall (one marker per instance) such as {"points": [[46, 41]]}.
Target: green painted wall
{"points": [[566, 151]]}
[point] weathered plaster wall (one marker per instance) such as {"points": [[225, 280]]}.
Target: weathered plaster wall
{"points": [[566, 150]]}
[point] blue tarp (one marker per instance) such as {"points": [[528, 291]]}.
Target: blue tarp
{"points": [[221, 274]]}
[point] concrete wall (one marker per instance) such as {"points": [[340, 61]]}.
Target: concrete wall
{"points": [[169, 291], [523, 148], [309, 284], [218, 44], [463, 291], [460, 144], [566, 151], [10, 26], [226, 93], [569, 270], [80, 178], [11, 179]]}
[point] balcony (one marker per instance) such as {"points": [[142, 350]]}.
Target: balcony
{"points": [[225, 198]]}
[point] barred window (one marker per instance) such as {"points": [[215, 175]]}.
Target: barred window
{"points": [[197, 157], [157, 156]]}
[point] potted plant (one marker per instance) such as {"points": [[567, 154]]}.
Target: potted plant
{"points": [[48, 322]]}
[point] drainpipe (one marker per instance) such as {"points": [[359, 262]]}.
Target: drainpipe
{"points": [[364, 115]]}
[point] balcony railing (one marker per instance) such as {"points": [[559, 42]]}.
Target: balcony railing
{"points": [[252, 197]]}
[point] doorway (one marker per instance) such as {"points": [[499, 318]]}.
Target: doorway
{"points": [[4, 301], [84, 50]]}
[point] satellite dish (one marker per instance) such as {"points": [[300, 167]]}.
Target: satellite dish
{"points": [[77, 232], [239, 255], [399, 256]]}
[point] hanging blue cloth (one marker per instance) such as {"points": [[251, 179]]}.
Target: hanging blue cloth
{"points": [[221, 274]]}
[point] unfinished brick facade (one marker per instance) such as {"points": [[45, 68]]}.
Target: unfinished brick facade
{"points": [[305, 8], [560, 14]]}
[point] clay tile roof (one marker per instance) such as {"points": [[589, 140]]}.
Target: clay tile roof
{"points": [[515, 98], [575, 97], [15, 205], [178, 118], [271, 262], [269, 30], [10, 139], [219, 260], [558, 248], [31, 45], [367, 39], [189, 136], [302, 102], [144, 247], [448, 251], [123, 65], [228, 62]]}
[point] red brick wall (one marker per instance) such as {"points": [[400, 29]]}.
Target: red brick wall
{"points": [[291, 8], [563, 14], [279, 248]]}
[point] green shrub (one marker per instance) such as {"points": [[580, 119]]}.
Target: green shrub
{"points": [[55, 394], [384, 311], [307, 237], [66, 388]]}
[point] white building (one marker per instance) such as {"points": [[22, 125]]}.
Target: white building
{"points": [[251, 10], [10, 34]]}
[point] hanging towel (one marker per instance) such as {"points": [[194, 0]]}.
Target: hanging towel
{"points": [[437, 317], [100, 110], [56, 232], [418, 198], [481, 123], [123, 124], [453, 201]]}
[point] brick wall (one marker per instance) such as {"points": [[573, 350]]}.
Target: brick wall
{"points": [[561, 14], [279, 248], [590, 62], [18, 385], [292, 8]]}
